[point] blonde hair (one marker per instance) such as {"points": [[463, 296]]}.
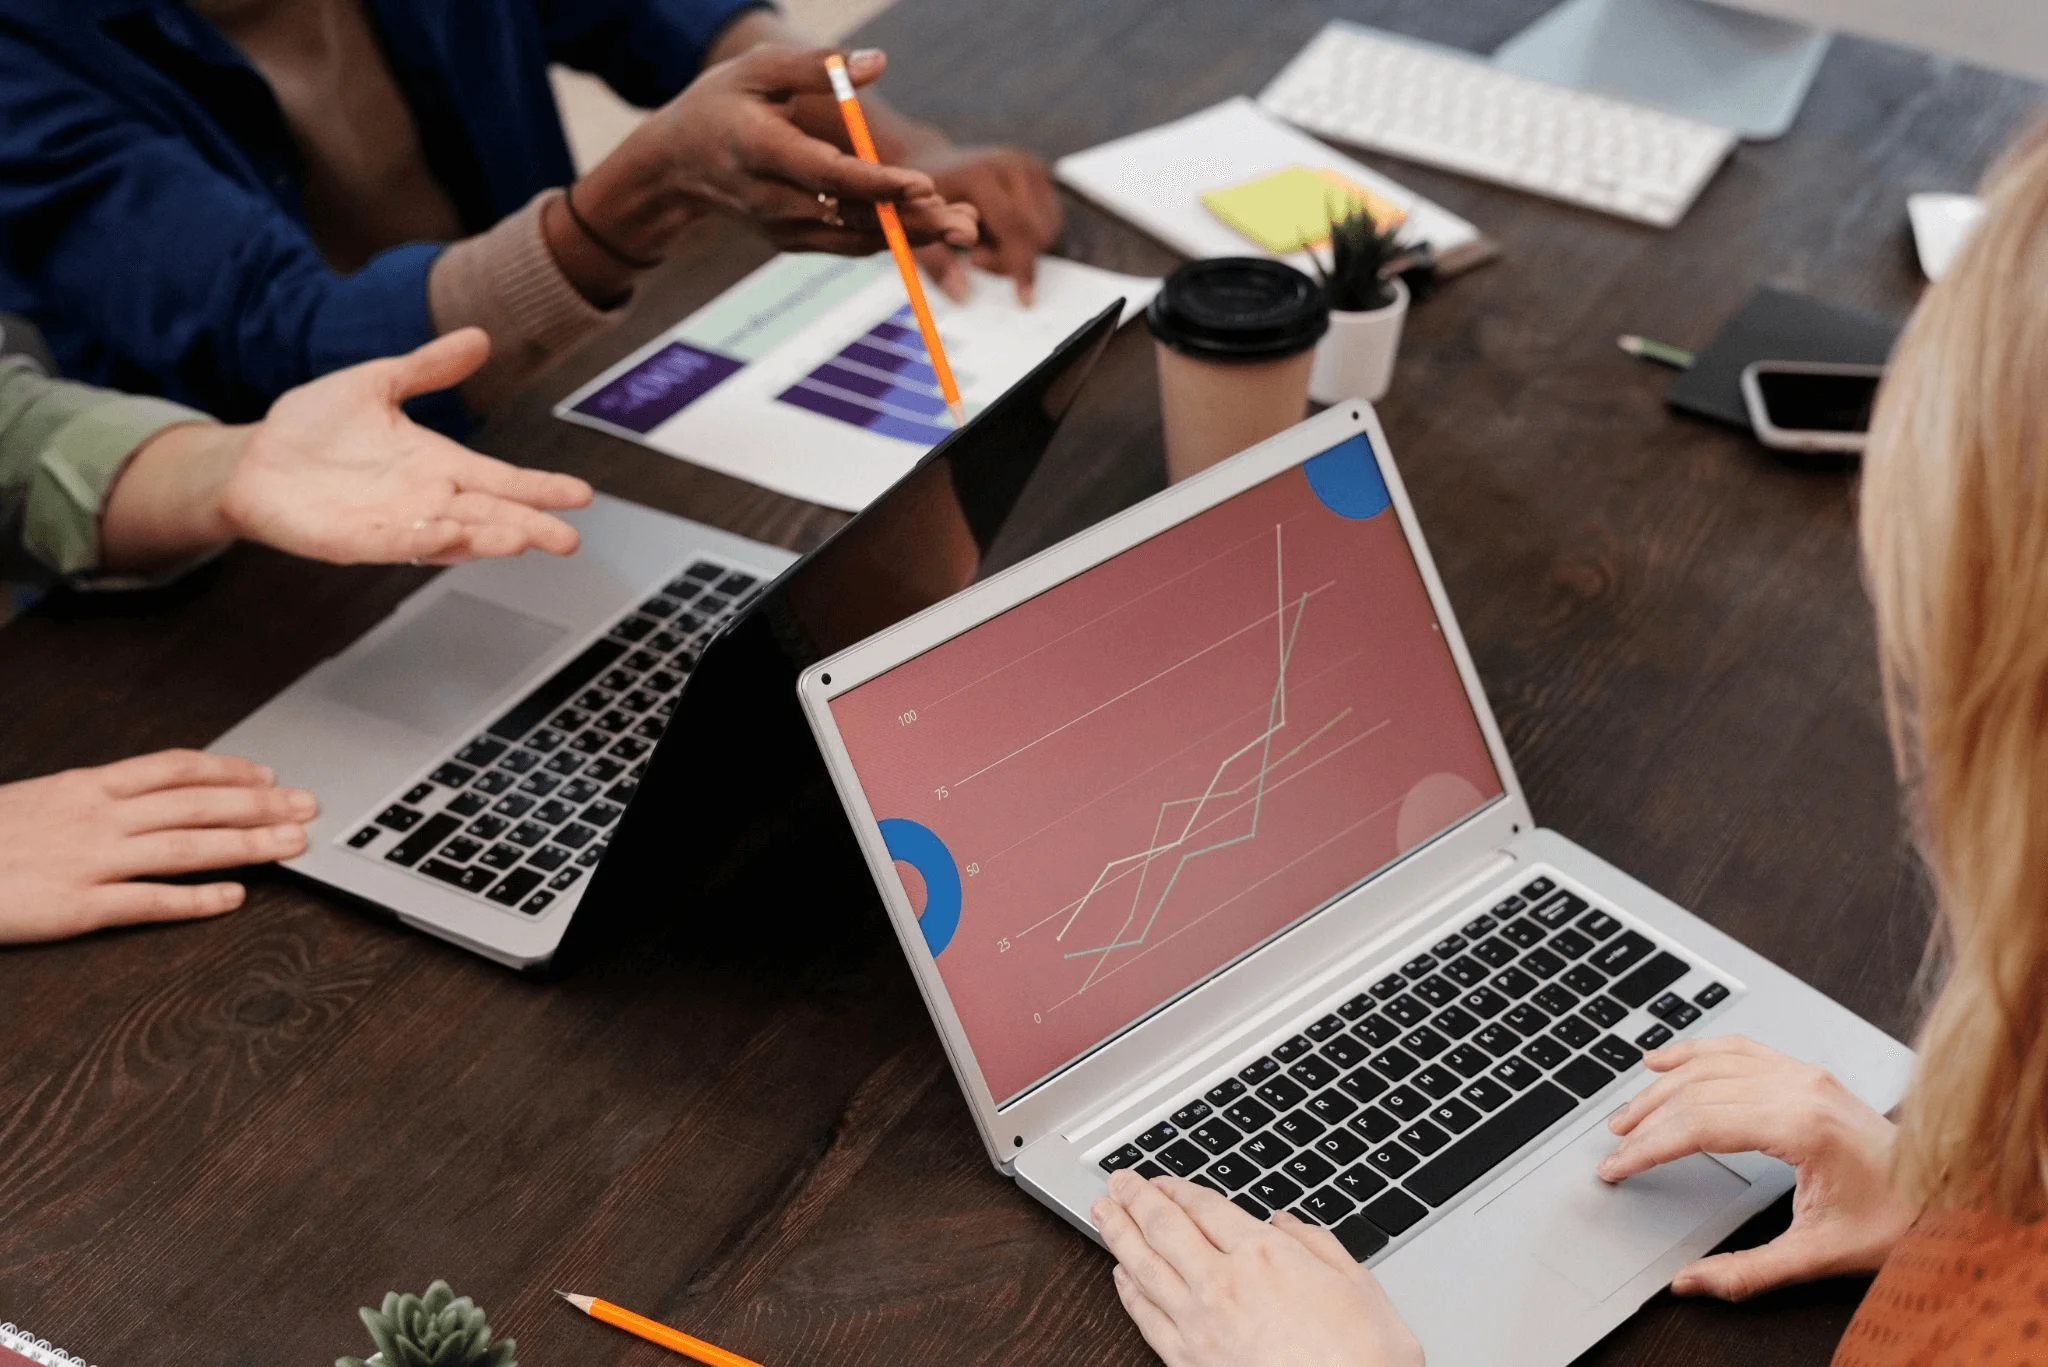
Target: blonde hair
{"points": [[1955, 549]]}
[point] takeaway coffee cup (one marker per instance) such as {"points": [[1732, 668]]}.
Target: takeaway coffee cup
{"points": [[1237, 337]]}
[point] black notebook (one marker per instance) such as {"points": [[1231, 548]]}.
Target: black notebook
{"points": [[1777, 325]]}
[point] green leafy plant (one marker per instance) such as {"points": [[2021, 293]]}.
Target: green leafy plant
{"points": [[1360, 255], [433, 1329]]}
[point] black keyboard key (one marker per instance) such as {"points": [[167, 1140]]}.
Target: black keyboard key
{"points": [[1478, 926], [1527, 1019], [470, 878], [1314, 1072], [1405, 1104], [1495, 953], [1584, 979], [1598, 925], [1341, 1147], [480, 751], [1495, 1140], [1391, 1161], [1622, 953], [1377, 1031], [1665, 1003], [1467, 1061], [1247, 1114], [364, 836], [1522, 934], [579, 791], [1498, 1040], [1345, 1052], [1508, 906], [565, 763], [1215, 1136], [512, 889], [1324, 1028], [1617, 1054], [1191, 1115], [1363, 1083], [588, 743], [1454, 1115], [1682, 1015], [1276, 1191], [1375, 1124], [561, 686], [1281, 1094], [566, 878], [1267, 1150], [1545, 1052], [1330, 1107], [1656, 1037], [553, 813], [1309, 1169], [1556, 999], [1454, 1022], [1603, 1011], [1542, 963], [1360, 1182], [1182, 1158], [1389, 986], [1436, 991], [1486, 1094], [527, 833], [513, 805], [1127, 1156], [1298, 1128], [1158, 1137], [1484, 1003], [1325, 1206], [398, 818], [1448, 946], [614, 722], [1406, 1012], [453, 775], [1233, 1171], [1517, 1073], [1648, 980], [539, 784], [1584, 1076], [488, 827], [1424, 1043], [1245, 1203], [1466, 971], [466, 804], [423, 839], [1258, 1070], [1396, 1212], [1288, 1050], [1569, 944], [1710, 996], [542, 741], [1538, 890], [1438, 1081], [650, 728], [1417, 966], [575, 835], [619, 794], [1513, 983], [589, 858], [1574, 1032], [1393, 1064], [1356, 1007], [1361, 1237], [1560, 910]]}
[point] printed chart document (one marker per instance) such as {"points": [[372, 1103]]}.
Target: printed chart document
{"points": [[809, 377]]}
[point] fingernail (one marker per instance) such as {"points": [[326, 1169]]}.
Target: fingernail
{"points": [[864, 56], [1123, 1183], [289, 837], [1027, 294], [304, 805], [1100, 1210], [269, 774]]}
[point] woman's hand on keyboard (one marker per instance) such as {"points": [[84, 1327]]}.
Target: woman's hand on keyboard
{"points": [[1209, 1286], [74, 846], [1735, 1096]]}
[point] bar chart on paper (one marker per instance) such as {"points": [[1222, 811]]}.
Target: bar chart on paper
{"points": [[810, 376], [1106, 794]]}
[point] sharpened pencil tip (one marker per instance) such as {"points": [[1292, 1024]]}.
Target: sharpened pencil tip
{"points": [[959, 412]]}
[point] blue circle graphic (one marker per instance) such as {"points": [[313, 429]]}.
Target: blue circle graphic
{"points": [[920, 847], [1347, 480]]}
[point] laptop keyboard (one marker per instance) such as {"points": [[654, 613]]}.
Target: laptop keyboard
{"points": [[522, 811], [1407, 1094]]}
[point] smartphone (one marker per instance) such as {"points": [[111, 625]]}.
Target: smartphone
{"points": [[1811, 406]]}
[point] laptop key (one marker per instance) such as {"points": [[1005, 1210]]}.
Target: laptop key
{"points": [[1538, 890], [1288, 1050], [1393, 1064], [425, 837], [1648, 980], [1331, 1107], [1574, 1033], [1584, 1076], [1584, 979], [1407, 1012], [1280, 1093], [554, 812], [1486, 1094], [1244, 1202], [1569, 944], [1556, 999], [488, 827], [1438, 1081], [1542, 963], [1314, 1072], [1508, 906], [1522, 934], [469, 879], [1453, 1021], [1391, 1161], [1560, 910], [1359, 1182], [1158, 1136], [1495, 953], [1617, 1054], [1356, 1007], [1436, 991], [1192, 1114], [527, 833], [466, 804], [1710, 996], [565, 763], [1181, 1158], [1258, 1070], [1419, 965], [1656, 1037], [1267, 1150], [1363, 1083], [575, 836], [650, 728], [1498, 1040], [398, 818], [1517, 1073], [502, 856], [1126, 1157], [1326, 1206], [565, 879], [1215, 1136], [1224, 1092], [579, 791], [1375, 1124], [513, 805], [1391, 985], [1377, 1031], [589, 742], [1492, 1142], [1246, 1113], [453, 775], [1405, 1104], [1324, 1028], [1527, 1019], [1361, 1237], [1454, 1115], [1466, 971], [1298, 1128], [1513, 983], [364, 836], [1602, 1011], [1345, 1052], [1231, 1172], [1309, 1169], [512, 889], [1448, 946], [1468, 1061], [1484, 1003], [539, 784], [1341, 1147], [1478, 926], [480, 751], [1424, 1042], [1149, 1170], [1622, 953], [1276, 1191], [548, 858], [1545, 1053]]}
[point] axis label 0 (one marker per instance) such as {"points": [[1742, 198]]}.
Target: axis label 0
{"points": [[919, 846]]}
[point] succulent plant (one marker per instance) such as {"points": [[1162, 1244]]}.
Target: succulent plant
{"points": [[434, 1329], [1360, 254]]}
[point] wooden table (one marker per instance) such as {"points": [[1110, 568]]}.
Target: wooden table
{"points": [[216, 1141]]}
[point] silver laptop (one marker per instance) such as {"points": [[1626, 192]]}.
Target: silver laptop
{"points": [[1204, 846]]}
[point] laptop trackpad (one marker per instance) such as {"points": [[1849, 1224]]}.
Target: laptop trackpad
{"points": [[1597, 1236], [434, 673]]}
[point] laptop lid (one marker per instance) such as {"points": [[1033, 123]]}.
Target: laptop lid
{"points": [[1120, 795], [735, 785]]}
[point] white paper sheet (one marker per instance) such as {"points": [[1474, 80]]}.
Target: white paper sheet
{"points": [[809, 376]]}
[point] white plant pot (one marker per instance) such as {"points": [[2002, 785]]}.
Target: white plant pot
{"points": [[1355, 359]]}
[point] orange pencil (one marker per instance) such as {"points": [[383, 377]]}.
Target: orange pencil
{"points": [[899, 246], [642, 1327]]}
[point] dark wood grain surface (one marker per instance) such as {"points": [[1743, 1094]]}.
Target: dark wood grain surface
{"points": [[217, 1140]]}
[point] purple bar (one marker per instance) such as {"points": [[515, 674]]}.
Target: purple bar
{"points": [[831, 406], [881, 391], [906, 366], [659, 387]]}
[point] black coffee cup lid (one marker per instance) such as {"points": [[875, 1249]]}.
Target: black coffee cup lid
{"points": [[1239, 308]]}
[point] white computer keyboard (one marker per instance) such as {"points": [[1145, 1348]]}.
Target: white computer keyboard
{"points": [[1442, 108]]}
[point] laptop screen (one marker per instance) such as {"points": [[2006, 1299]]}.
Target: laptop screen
{"points": [[1106, 795]]}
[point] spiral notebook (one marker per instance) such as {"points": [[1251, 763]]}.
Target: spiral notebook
{"points": [[19, 1348]]}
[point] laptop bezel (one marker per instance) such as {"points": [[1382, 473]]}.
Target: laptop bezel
{"points": [[1119, 1068]]}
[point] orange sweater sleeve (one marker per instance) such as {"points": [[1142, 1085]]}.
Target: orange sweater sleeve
{"points": [[1960, 1288]]}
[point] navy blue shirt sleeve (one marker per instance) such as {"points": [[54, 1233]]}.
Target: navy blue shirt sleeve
{"points": [[177, 270], [646, 50]]}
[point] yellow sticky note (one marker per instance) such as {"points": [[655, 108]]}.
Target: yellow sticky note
{"points": [[1290, 209]]}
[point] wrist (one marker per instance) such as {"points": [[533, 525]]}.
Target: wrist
{"points": [[167, 505]]}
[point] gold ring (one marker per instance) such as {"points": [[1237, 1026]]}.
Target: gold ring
{"points": [[830, 204]]}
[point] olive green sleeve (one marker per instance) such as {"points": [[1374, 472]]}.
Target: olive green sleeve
{"points": [[62, 446]]}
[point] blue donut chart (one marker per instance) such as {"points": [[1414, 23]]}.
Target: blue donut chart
{"points": [[1346, 479], [920, 847]]}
